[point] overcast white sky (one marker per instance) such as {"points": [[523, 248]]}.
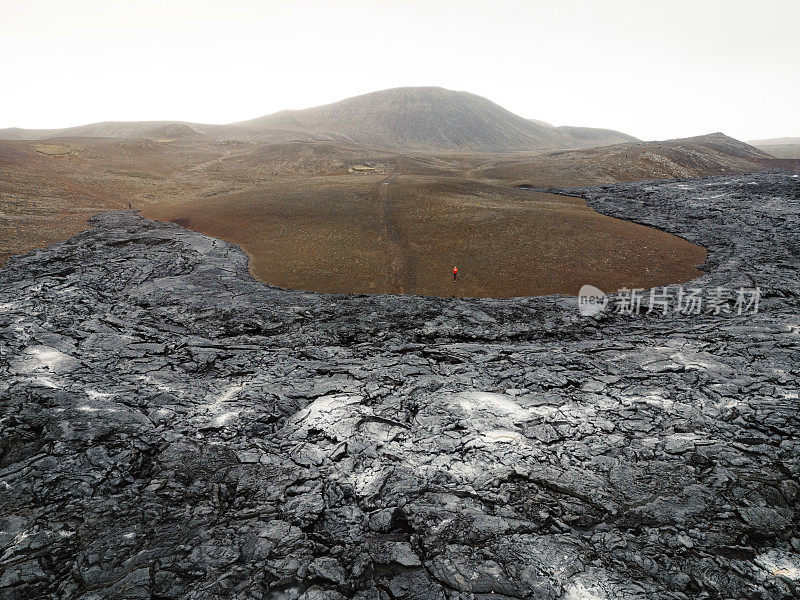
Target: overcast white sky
{"points": [[654, 69]]}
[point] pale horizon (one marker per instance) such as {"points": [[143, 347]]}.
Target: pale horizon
{"points": [[655, 72]]}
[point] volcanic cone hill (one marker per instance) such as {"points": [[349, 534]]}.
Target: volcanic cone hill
{"points": [[434, 118], [428, 118]]}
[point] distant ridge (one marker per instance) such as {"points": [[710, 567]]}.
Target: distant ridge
{"points": [[698, 156], [414, 118], [781, 141], [107, 129], [724, 144], [785, 148]]}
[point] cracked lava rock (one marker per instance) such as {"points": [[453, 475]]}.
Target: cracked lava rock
{"points": [[171, 428]]}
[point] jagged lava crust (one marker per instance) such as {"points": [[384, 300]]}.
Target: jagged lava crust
{"points": [[172, 428]]}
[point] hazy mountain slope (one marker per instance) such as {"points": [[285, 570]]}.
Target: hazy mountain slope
{"points": [[108, 129], [424, 118], [435, 119], [590, 137], [781, 141], [785, 147], [783, 151], [429, 118]]}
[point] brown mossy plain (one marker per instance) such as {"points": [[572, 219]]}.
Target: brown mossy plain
{"points": [[403, 234], [308, 224]]}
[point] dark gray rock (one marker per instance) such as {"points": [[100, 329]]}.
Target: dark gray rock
{"points": [[173, 429]]}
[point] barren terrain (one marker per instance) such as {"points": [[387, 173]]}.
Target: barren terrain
{"points": [[381, 193], [309, 224], [172, 428], [403, 234]]}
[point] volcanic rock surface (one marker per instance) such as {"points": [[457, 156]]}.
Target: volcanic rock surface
{"points": [[172, 428]]}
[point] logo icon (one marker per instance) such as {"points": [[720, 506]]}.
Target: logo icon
{"points": [[591, 300]]}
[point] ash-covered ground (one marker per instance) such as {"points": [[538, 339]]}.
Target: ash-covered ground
{"points": [[171, 428]]}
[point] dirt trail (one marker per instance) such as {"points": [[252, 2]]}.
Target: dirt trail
{"points": [[228, 154], [198, 173], [204, 165], [401, 276]]}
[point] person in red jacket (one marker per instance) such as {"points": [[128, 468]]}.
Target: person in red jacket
{"points": [[455, 273]]}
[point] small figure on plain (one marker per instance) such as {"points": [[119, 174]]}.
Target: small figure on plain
{"points": [[129, 206], [455, 273]]}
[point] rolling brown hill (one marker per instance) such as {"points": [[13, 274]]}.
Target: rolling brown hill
{"points": [[420, 118], [701, 156]]}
